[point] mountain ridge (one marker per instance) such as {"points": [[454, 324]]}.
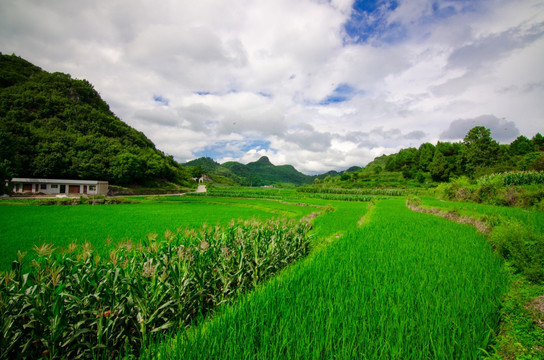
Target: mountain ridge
{"points": [[260, 172]]}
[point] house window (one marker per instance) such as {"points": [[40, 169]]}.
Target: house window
{"points": [[54, 186], [43, 186], [92, 188]]}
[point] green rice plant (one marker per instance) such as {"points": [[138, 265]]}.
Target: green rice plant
{"points": [[26, 225], [403, 286], [78, 305], [517, 234]]}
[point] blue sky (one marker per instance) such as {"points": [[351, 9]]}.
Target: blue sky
{"points": [[317, 84], [233, 148], [368, 20]]}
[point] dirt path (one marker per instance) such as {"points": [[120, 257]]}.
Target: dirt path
{"points": [[201, 189]]}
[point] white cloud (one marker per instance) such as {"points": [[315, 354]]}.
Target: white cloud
{"points": [[501, 129], [242, 72]]}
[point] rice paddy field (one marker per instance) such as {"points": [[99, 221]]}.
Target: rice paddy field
{"points": [[530, 218], [403, 286], [370, 280]]}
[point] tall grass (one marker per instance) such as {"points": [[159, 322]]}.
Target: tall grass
{"points": [[76, 305], [404, 286]]}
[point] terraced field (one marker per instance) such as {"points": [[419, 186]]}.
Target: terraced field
{"points": [[405, 285], [380, 281]]}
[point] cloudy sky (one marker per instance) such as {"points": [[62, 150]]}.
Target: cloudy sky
{"points": [[317, 84]]}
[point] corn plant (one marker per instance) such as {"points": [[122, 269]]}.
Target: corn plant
{"points": [[75, 304], [514, 178], [325, 190]]}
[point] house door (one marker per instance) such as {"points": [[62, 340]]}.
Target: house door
{"points": [[62, 189]]}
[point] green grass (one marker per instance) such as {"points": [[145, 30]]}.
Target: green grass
{"points": [[530, 218], [25, 225], [405, 285]]}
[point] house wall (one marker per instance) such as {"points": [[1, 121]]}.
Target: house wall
{"points": [[100, 188]]}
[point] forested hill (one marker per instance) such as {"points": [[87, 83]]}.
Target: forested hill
{"points": [[53, 126], [258, 173], [263, 172], [477, 155]]}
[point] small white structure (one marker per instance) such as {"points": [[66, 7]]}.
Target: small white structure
{"points": [[202, 179], [57, 186]]}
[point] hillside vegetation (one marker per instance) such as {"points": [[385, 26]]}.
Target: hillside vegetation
{"points": [[478, 156], [53, 126], [257, 173], [263, 172]]}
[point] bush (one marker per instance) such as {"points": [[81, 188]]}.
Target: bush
{"points": [[486, 193], [521, 245], [459, 187]]}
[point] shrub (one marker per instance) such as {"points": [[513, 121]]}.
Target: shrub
{"points": [[459, 186], [521, 245]]}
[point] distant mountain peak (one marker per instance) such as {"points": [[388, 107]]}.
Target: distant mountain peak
{"points": [[264, 160]]}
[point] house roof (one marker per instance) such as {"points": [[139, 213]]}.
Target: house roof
{"points": [[57, 181]]}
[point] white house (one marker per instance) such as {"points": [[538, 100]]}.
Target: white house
{"points": [[56, 186]]}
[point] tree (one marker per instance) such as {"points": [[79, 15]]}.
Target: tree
{"points": [[197, 171], [391, 163], [439, 167], [420, 177], [538, 164], [481, 150], [5, 175], [521, 146], [129, 168], [426, 154], [538, 142]]}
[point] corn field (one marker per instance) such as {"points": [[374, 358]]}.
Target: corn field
{"points": [[514, 178], [304, 193], [73, 304], [384, 192]]}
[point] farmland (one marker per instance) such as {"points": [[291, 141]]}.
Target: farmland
{"points": [[391, 289], [371, 279], [25, 225]]}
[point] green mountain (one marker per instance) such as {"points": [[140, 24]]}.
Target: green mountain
{"points": [[334, 173], [213, 169], [258, 173], [53, 126]]}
